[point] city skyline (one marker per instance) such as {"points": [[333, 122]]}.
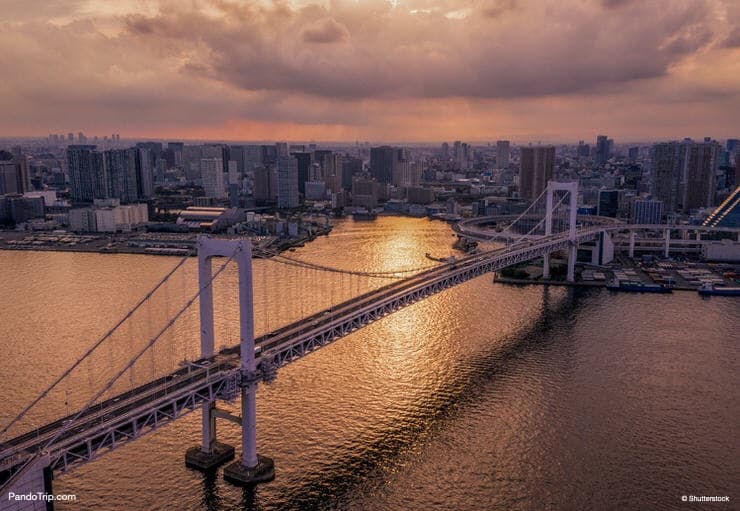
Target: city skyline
{"points": [[417, 71]]}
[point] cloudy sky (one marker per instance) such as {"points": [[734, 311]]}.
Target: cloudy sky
{"points": [[404, 70]]}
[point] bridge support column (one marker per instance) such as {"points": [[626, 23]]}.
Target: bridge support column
{"points": [[572, 255], [210, 454], [36, 477], [632, 244], [251, 468], [548, 229], [667, 246]]}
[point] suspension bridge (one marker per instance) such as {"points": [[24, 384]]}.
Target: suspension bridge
{"points": [[114, 415]]}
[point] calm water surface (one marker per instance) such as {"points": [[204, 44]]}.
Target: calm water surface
{"points": [[484, 396]]}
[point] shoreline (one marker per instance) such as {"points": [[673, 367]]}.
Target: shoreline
{"points": [[102, 245], [532, 282]]}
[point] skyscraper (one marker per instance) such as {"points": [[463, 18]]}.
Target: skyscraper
{"points": [[8, 178], [502, 153], [602, 149], [535, 170], [287, 182], [700, 174], [633, 154], [88, 179], [145, 173], [212, 173], [666, 174], [120, 166], [350, 167], [684, 174], [304, 163], [381, 163]]}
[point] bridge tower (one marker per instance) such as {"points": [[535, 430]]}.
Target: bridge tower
{"points": [[251, 468], [572, 189]]}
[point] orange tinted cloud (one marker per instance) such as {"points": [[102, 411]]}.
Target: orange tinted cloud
{"points": [[372, 70]]}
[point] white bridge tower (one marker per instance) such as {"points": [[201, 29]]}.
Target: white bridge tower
{"points": [[251, 468]]}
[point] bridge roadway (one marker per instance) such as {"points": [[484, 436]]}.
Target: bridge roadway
{"points": [[472, 227], [127, 416]]}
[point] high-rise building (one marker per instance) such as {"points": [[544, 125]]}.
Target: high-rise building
{"points": [[9, 178], [304, 160], [502, 153], [191, 156], [282, 149], [287, 182], [381, 163], [145, 171], [536, 165], [732, 145], [265, 184], [120, 167], [609, 202], [88, 178], [666, 168], [684, 174], [633, 153], [212, 173], [700, 174], [269, 154], [350, 166], [602, 149]]}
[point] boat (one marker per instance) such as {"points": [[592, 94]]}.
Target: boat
{"points": [[632, 286], [465, 244], [364, 214], [709, 289], [448, 259]]}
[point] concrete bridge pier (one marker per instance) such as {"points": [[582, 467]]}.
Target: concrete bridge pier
{"points": [[632, 244], [546, 266], [210, 453]]}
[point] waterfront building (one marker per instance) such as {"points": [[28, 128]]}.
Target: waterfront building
{"points": [[684, 174], [88, 178]]}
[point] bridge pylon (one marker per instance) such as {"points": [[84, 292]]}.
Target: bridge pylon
{"points": [[572, 189], [250, 468]]}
